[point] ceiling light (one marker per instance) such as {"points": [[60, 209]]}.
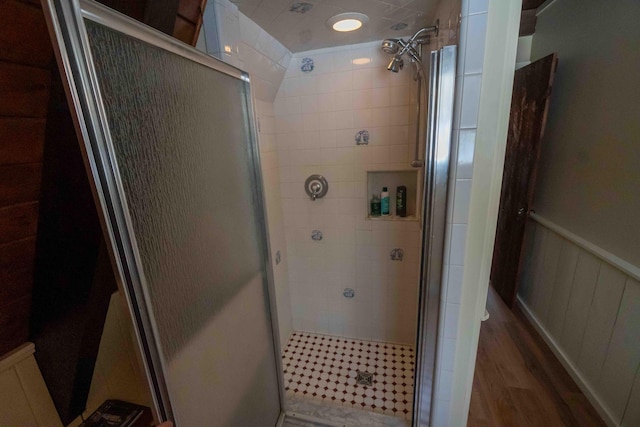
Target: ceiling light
{"points": [[349, 21], [347, 25], [361, 61]]}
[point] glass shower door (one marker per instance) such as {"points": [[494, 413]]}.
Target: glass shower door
{"points": [[170, 145]]}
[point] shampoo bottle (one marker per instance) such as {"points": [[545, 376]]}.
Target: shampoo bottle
{"points": [[384, 201]]}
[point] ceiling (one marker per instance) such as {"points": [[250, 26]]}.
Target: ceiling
{"points": [[300, 25]]}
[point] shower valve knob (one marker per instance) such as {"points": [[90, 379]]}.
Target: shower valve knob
{"points": [[316, 186]]}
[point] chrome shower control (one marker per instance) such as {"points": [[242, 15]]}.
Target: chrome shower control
{"points": [[316, 186]]}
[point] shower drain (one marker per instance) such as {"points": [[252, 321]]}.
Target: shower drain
{"points": [[364, 378]]}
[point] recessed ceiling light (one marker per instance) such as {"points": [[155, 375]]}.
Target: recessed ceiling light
{"points": [[349, 21], [361, 61]]}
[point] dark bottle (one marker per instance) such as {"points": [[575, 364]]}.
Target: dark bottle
{"points": [[401, 201], [375, 205]]}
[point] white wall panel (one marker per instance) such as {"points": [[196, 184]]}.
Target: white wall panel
{"points": [[602, 316], [623, 354], [562, 290], [547, 281], [632, 412], [593, 321], [584, 283], [536, 265], [25, 400]]}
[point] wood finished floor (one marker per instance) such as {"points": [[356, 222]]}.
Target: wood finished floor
{"points": [[519, 381]]}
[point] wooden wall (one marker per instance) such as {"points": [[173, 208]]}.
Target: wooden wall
{"points": [[189, 20], [180, 18], [26, 58]]}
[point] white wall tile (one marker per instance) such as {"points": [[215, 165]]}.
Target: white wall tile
{"points": [[478, 6], [474, 51], [448, 354], [454, 284], [452, 314], [457, 104], [462, 47], [470, 101], [317, 117], [461, 201], [458, 242], [466, 147]]}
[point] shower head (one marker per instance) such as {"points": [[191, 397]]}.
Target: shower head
{"points": [[396, 64], [398, 47], [392, 46]]}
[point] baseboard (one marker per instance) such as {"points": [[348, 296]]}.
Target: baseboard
{"points": [[598, 405]]}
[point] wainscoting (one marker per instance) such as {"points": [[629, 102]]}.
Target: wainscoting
{"points": [[585, 302]]}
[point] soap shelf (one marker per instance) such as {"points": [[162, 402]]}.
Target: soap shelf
{"points": [[408, 218], [410, 178]]}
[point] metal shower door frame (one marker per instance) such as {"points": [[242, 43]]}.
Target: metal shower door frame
{"points": [[436, 178], [65, 19]]}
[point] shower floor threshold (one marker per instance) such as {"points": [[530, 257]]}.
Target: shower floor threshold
{"points": [[322, 370], [303, 412]]}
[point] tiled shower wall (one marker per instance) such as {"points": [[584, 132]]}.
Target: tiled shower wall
{"points": [[319, 110], [471, 45]]}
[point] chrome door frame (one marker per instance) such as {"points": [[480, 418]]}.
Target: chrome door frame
{"points": [[65, 19], [436, 177]]}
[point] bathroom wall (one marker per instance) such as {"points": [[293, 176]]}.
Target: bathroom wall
{"points": [[586, 305], [588, 179], [234, 38], [465, 119], [237, 40], [320, 109], [581, 284]]}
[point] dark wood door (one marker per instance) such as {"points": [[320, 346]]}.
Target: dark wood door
{"points": [[529, 105]]}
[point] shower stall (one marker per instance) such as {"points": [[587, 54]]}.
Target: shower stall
{"points": [[171, 146]]}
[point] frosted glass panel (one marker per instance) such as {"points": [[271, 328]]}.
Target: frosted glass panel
{"points": [[181, 141]]}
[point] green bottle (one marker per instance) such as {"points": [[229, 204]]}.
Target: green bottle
{"points": [[375, 205]]}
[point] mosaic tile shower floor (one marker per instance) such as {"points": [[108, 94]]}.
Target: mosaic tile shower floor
{"points": [[324, 368]]}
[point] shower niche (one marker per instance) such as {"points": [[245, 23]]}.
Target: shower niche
{"points": [[392, 179]]}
